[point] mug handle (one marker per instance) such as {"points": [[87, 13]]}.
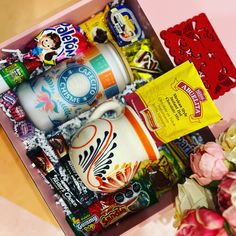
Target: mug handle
{"points": [[104, 107]]}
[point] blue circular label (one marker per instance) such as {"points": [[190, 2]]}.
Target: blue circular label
{"points": [[78, 84]]}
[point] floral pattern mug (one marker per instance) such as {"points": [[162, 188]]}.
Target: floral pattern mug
{"points": [[106, 152]]}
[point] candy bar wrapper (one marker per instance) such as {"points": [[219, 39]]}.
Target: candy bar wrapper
{"points": [[124, 25], [134, 197], [166, 172], [24, 130], [60, 147], [56, 43], [18, 113], [163, 173], [9, 99], [96, 28], [142, 60], [112, 207], [175, 104], [87, 225], [42, 162]]}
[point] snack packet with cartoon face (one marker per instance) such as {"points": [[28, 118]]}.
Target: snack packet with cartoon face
{"points": [[56, 43]]}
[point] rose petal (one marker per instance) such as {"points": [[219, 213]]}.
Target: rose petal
{"points": [[210, 219], [207, 164], [190, 217], [194, 162], [225, 183], [194, 225], [232, 190], [208, 232], [222, 232], [231, 175], [223, 200], [215, 150], [201, 180], [219, 170], [186, 230], [197, 195], [230, 215]]}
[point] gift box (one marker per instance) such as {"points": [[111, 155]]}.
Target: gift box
{"points": [[76, 14]]}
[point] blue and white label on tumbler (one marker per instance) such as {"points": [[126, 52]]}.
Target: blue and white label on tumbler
{"points": [[78, 84]]}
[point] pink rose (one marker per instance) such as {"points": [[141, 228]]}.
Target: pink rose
{"points": [[202, 222], [208, 163], [227, 199]]}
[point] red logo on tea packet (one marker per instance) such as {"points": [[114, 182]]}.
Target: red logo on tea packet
{"points": [[150, 119], [196, 96]]}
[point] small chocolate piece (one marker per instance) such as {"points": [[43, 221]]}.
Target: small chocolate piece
{"points": [[59, 145]]}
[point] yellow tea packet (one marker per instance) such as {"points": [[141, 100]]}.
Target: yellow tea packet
{"points": [[96, 28], [174, 104]]}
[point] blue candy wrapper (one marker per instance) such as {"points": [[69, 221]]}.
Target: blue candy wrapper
{"points": [[124, 25]]}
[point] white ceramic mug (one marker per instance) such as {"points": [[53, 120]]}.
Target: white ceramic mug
{"points": [[74, 86], [106, 152]]}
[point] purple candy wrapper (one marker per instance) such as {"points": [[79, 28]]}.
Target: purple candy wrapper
{"points": [[24, 129]]}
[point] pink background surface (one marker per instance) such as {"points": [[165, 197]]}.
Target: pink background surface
{"points": [[167, 13]]}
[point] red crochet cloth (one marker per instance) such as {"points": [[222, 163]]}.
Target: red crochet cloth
{"points": [[196, 40]]}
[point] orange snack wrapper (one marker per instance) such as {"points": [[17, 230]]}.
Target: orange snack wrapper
{"points": [[174, 104]]}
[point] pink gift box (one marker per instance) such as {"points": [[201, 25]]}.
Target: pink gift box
{"points": [[152, 24]]}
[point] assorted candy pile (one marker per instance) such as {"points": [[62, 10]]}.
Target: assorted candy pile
{"points": [[86, 211]]}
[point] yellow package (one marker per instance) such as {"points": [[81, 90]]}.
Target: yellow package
{"points": [[174, 104], [96, 28]]}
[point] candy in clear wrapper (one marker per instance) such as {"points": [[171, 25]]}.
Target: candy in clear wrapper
{"points": [[96, 28], [9, 99], [56, 43], [124, 25], [18, 113], [24, 129], [142, 60]]}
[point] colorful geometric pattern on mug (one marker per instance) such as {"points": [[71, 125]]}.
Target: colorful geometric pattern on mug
{"points": [[96, 160]]}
